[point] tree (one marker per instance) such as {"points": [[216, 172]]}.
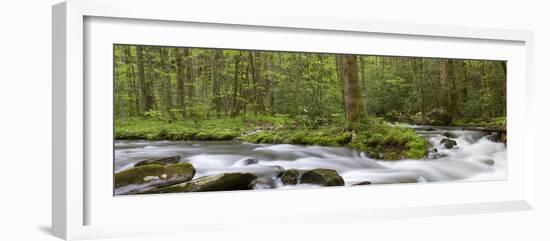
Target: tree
{"points": [[255, 57], [416, 65], [145, 99], [180, 84], [352, 92], [167, 82], [216, 78]]}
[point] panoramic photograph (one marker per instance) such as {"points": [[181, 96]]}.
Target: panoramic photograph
{"points": [[192, 119]]}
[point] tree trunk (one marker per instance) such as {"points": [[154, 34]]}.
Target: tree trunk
{"points": [[453, 95], [444, 94], [503, 65], [235, 109], [144, 102], [180, 84], [189, 79], [257, 79], [352, 92], [216, 79], [167, 82], [416, 65]]}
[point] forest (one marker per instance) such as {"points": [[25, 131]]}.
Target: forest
{"points": [[199, 119], [169, 93]]}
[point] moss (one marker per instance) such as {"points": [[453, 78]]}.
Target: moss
{"points": [[392, 142], [371, 135], [497, 122]]}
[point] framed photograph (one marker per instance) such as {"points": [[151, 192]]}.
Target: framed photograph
{"points": [[160, 115]]}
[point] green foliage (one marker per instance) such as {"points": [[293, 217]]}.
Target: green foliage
{"points": [[497, 122], [297, 98]]}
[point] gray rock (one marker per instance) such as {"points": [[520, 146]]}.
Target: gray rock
{"points": [[488, 162], [362, 183], [291, 176], [220, 182], [155, 175], [159, 161], [323, 177], [448, 143], [449, 134]]}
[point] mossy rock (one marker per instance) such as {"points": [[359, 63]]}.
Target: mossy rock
{"points": [[220, 182], [439, 117], [155, 173], [291, 176], [323, 177], [160, 161]]}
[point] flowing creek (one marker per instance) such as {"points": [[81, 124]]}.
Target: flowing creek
{"points": [[475, 158]]}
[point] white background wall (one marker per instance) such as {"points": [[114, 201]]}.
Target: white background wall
{"points": [[25, 119]]}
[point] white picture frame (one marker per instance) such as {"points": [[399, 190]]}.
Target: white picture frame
{"points": [[81, 207]]}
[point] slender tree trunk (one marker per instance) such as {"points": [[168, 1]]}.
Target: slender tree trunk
{"points": [[235, 109], [416, 65], [269, 82], [453, 95], [503, 65], [165, 63], [149, 81], [144, 97], [340, 75], [444, 94], [216, 78], [180, 84], [257, 80], [189, 80]]}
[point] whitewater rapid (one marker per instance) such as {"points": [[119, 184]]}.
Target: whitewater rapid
{"points": [[475, 158]]}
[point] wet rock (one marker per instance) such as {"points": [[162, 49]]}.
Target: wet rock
{"points": [[430, 129], [362, 183], [488, 162], [323, 177], [439, 117], [437, 155], [249, 161], [449, 134], [448, 143], [497, 137], [291, 176], [263, 183], [159, 161], [155, 175], [220, 182]]}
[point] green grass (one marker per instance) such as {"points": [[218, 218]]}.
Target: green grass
{"points": [[373, 136]]}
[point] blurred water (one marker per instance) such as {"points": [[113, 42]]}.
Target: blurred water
{"points": [[474, 158]]}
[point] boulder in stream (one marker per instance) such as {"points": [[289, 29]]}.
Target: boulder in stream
{"points": [[362, 183], [159, 161], [220, 182], [488, 162], [439, 117], [448, 143], [449, 134], [323, 177], [291, 176], [155, 175]]}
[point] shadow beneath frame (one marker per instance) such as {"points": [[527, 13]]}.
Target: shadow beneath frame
{"points": [[46, 229]]}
